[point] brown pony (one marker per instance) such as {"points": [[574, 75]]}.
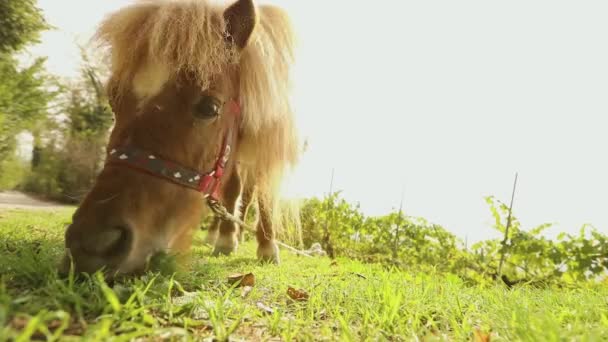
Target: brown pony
{"points": [[199, 92]]}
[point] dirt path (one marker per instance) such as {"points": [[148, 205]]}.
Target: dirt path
{"points": [[18, 200]]}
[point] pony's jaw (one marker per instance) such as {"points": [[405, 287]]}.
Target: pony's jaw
{"points": [[132, 262], [153, 215], [132, 259]]}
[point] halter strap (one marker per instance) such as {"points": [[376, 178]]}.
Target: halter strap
{"points": [[206, 183]]}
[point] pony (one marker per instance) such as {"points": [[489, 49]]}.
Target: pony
{"points": [[201, 98]]}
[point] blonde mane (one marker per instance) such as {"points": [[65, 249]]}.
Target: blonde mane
{"points": [[189, 35], [269, 131]]}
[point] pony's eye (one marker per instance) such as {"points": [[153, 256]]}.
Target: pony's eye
{"points": [[207, 108]]}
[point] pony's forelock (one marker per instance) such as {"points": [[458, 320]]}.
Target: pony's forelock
{"points": [[186, 35]]}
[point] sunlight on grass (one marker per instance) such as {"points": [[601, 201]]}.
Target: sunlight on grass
{"points": [[347, 300]]}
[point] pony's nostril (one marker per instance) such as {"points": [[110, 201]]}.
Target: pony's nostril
{"points": [[111, 241]]}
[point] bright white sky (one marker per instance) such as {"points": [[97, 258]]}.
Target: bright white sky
{"points": [[447, 99]]}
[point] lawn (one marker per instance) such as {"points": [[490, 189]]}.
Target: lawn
{"points": [[329, 300]]}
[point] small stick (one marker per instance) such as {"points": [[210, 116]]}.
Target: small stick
{"points": [[504, 241], [326, 238], [398, 227]]}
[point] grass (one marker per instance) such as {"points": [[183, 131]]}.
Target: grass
{"points": [[347, 300]]}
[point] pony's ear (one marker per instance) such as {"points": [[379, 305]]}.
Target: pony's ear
{"points": [[240, 20]]}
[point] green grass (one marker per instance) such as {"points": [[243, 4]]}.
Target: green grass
{"points": [[348, 300]]}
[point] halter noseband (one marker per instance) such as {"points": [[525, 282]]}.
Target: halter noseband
{"points": [[206, 183]]}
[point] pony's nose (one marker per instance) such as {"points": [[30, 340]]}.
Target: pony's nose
{"points": [[112, 241], [92, 248]]}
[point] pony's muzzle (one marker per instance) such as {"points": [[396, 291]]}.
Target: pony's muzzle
{"points": [[92, 248]]}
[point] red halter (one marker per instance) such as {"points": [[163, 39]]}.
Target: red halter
{"points": [[206, 183]]}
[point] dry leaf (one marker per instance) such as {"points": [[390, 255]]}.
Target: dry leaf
{"points": [[242, 279], [299, 295], [19, 322], [245, 291], [54, 324], [479, 336], [77, 327], [74, 329], [264, 308]]}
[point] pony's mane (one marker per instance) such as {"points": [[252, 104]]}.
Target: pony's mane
{"points": [[265, 87], [190, 35]]}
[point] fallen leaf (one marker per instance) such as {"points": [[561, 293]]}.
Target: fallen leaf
{"points": [[479, 336], [242, 279], [202, 328], [19, 322], [54, 324], [245, 291], [299, 295], [74, 329], [264, 308]]}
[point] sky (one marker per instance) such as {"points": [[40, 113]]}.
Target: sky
{"points": [[443, 101]]}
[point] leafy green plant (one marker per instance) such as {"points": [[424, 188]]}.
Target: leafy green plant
{"points": [[414, 243], [531, 257]]}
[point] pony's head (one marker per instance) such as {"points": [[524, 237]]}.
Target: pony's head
{"points": [[187, 79]]}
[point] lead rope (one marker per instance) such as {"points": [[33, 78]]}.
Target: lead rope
{"points": [[222, 213]]}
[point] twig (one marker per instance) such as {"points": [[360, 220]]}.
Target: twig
{"points": [[504, 241], [398, 228], [326, 238]]}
